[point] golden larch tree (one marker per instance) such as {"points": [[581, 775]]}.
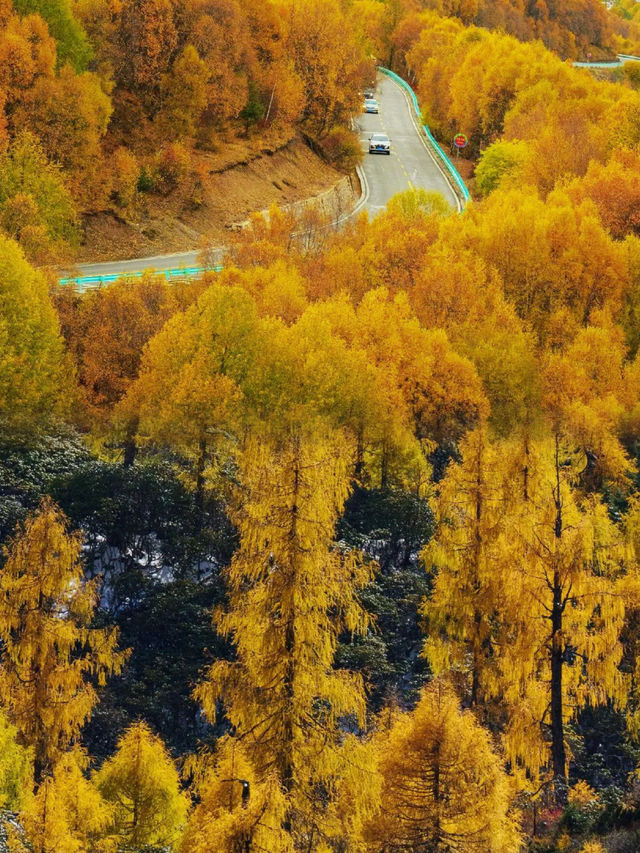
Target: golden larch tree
{"points": [[563, 612], [51, 657], [142, 783], [290, 596], [68, 812], [444, 787], [463, 555]]}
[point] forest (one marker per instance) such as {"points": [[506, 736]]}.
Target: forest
{"points": [[337, 549]]}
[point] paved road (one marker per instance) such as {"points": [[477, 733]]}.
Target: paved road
{"points": [[613, 63], [411, 164]]}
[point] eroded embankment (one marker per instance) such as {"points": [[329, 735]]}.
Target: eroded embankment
{"points": [[214, 198]]}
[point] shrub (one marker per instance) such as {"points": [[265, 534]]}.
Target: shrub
{"points": [[583, 809], [126, 177], [497, 162], [341, 147], [171, 166]]}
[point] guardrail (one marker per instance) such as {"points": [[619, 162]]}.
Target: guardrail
{"points": [[618, 62], [451, 169], [97, 280]]}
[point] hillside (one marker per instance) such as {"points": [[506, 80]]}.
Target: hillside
{"points": [[220, 193]]}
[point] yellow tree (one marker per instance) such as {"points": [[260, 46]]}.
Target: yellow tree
{"points": [[238, 808], [67, 812], [290, 596], [184, 94], [16, 770], [50, 654], [142, 784], [32, 370], [444, 788], [528, 601], [106, 330], [423, 391], [189, 391], [565, 603], [46, 828], [555, 258], [467, 590], [321, 40], [563, 611]]}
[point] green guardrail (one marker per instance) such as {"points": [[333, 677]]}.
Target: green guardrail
{"points": [[97, 280], [451, 169]]}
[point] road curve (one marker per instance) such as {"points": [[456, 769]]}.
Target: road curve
{"points": [[410, 165], [622, 58]]}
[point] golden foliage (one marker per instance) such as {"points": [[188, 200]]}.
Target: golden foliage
{"points": [[141, 784], [290, 597], [51, 657], [443, 784]]}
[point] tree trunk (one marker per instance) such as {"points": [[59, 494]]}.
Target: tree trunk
{"points": [[558, 752], [130, 446], [289, 650], [477, 555]]}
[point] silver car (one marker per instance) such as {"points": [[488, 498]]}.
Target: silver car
{"points": [[379, 143]]}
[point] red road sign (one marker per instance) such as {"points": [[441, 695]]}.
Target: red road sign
{"points": [[460, 140]]}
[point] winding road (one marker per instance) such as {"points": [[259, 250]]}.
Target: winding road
{"points": [[412, 164], [608, 63]]}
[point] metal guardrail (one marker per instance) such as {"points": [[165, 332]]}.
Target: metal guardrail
{"points": [[451, 169], [97, 280], [618, 62]]}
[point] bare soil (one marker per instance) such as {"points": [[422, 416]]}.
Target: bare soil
{"points": [[223, 189]]}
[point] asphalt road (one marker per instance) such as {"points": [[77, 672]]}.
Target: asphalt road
{"points": [[411, 164], [613, 63]]}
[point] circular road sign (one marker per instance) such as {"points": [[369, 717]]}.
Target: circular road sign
{"points": [[460, 140]]}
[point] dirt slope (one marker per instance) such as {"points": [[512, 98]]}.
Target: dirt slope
{"points": [[222, 191]]}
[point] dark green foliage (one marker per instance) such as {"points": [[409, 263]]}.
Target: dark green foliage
{"points": [[145, 181], [253, 110], [170, 631], [392, 527], [160, 563], [603, 752], [142, 525], [396, 524], [28, 469]]}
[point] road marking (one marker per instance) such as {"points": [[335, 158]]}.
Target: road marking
{"points": [[421, 136]]}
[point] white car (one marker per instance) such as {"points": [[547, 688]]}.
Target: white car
{"points": [[379, 143], [370, 105]]}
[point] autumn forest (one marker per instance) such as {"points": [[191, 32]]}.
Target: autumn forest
{"points": [[334, 548]]}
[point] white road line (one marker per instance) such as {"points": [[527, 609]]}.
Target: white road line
{"points": [[428, 148]]}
